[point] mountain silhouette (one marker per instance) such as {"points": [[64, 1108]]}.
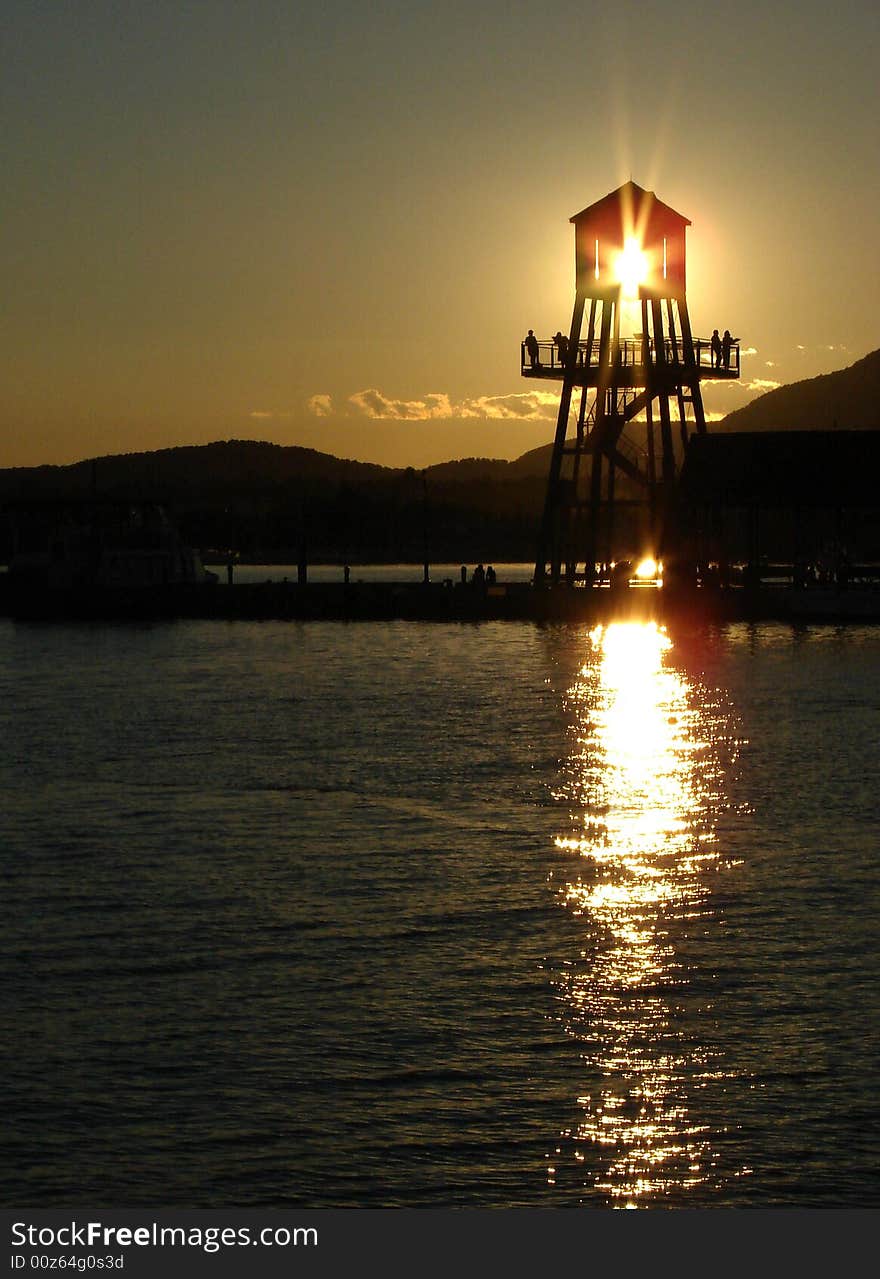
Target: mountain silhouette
{"points": [[270, 499], [848, 399]]}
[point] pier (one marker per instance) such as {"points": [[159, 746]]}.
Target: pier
{"points": [[768, 594]]}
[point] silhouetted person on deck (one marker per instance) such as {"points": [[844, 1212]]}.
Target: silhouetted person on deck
{"points": [[490, 576], [716, 350], [532, 348], [725, 347], [562, 343], [479, 577]]}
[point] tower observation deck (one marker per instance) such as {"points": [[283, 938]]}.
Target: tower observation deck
{"points": [[629, 403], [635, 365]]}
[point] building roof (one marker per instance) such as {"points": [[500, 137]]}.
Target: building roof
{"points": [[630, 203], [783, 469]]}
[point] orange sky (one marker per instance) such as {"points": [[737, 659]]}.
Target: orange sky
{"points": [[333, 225]]}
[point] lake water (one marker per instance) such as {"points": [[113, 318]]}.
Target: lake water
{"points": [[418, 914]]}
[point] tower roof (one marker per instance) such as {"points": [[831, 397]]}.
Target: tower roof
{"points": [[631, 204]]}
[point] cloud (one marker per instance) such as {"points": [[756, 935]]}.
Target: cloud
{"points": [[748, 350], [722, 388], [528, 406], [317, 405], [824, 346], [320, 405], [374, 404], [735, 388], [770, 364]]}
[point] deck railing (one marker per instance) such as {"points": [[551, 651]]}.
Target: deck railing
{"points": [[631, 353]]}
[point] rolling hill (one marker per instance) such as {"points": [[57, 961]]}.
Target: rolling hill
{"points": [[265, 499], [847, 400]]}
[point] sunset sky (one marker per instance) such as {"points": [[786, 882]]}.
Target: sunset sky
{"points": [[331, 224]]}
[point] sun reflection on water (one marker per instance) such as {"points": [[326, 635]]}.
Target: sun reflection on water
{"points": [[642, 784]]}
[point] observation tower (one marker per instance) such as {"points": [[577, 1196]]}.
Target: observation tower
{"points": [[635, 394]]}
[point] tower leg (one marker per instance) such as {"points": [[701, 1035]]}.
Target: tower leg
{"points": [[680, 385], [652, 476], [661, 391], [692, 373], [551, 522], [575, 530], [609, 515], [597, 436], [595, 504]]}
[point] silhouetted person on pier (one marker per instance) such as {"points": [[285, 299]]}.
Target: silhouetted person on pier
{"points": [[843, 571], [725, 347], [716, 349], [562, 343], [532, 349], [490, 576], [724, 572], [479, 577], [463, 575], [346, 573]]}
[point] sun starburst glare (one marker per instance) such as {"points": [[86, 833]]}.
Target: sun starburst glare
{"points": [[631, 267]]}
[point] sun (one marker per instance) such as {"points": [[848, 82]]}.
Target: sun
{"points": [[648, 568], [631, 267]]}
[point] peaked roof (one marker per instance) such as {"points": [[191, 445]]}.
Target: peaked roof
{"points": [[635, 200]]}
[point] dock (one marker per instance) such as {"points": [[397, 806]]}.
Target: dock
{"points": [[443, 602]]}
